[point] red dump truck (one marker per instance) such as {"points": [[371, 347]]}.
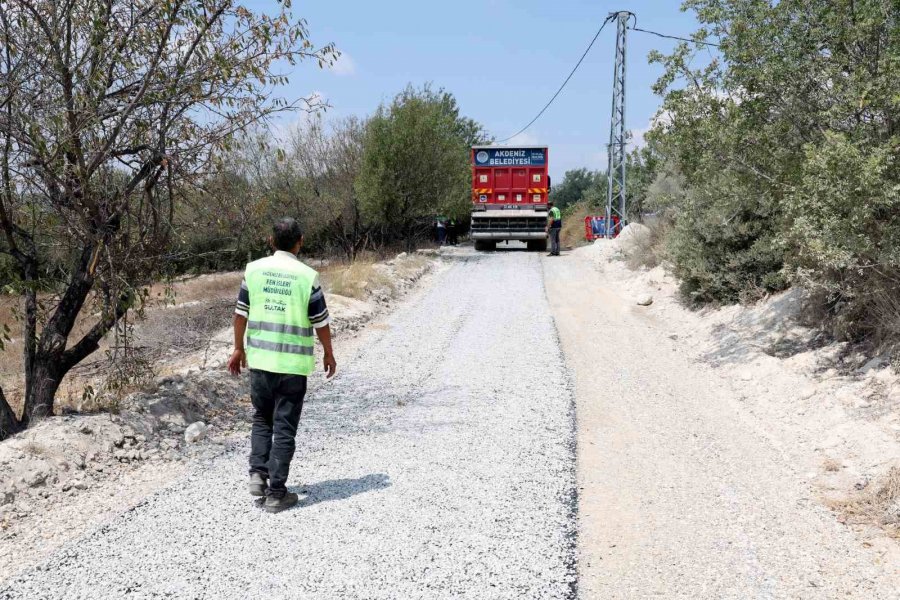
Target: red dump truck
{"points": [[509, 195]]}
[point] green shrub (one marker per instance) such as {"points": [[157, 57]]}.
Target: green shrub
{"points": [[724, 255], [787, 143], [844, 232]]}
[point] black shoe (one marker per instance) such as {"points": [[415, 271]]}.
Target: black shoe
{"points": [[258, 485], [276, 505]]}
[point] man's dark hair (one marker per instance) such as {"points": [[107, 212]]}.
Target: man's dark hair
{"points": [[549, 202], [286, 234]]}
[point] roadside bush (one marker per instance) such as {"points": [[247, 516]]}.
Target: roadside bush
{"points": [[878, 504], [844, 234], [722, 247], [787, 142]]}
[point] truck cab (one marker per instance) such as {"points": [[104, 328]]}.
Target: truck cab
{"points": [[510, 185]]}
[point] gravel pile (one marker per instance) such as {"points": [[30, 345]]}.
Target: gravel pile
{"points": [[438, 465]]}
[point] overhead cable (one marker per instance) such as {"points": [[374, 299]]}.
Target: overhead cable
{"points": [[674, 37], [578, 64]]}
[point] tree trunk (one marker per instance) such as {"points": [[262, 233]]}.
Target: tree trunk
{"points": [[40, 389], [9, 424], [53, 361], [47, 364]]}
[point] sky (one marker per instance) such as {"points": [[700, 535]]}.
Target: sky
{"points": [[502, 59]]}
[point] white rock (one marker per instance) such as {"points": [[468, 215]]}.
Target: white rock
{"points": [[875, 364], [808, 392], [632, 231], [37, 478], [195, 432], [645, 300]]}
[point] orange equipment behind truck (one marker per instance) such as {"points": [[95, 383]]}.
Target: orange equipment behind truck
{"points": [[595, 228]]}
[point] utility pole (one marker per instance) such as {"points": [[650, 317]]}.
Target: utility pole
{"points": [[615, 192]]}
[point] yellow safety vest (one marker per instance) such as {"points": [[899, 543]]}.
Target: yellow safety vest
{"points": [[279, 333]]}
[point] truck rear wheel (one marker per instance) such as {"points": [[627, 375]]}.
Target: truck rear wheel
{"points": [[485, 245], [537, 245]]}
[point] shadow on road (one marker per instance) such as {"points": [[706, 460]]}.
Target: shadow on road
{"points": [[340, 489]]}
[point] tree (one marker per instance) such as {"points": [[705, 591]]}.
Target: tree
{"points": [[641, 167], [573, 187], [219, 222], [329, 163], [416, 162], [721, 141], [110, 110], [787, 145], [590, 187]]}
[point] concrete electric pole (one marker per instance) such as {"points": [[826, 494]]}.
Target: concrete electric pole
{"points": [[615, 193]]}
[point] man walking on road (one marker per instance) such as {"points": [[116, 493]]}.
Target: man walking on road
{"points": [[554, 226], [279, 305]]}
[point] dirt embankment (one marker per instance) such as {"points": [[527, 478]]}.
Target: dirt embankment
{"points": [[71, 472]]}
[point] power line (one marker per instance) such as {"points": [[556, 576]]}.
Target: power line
{"points": [[578, 64], [673, 37]]}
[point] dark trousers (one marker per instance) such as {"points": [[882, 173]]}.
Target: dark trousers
{"points": [[277, 400], [554, 240]]}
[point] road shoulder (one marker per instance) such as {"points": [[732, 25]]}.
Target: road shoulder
{"points": [[683, 490]]}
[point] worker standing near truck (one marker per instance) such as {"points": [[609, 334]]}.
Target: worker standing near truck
{"points": [[554, 226], [279, 305]]}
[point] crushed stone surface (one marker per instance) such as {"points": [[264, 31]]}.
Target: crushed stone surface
{"points": [[70, 473], [438, 464]]}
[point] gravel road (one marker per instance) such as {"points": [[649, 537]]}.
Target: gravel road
{"points": [[683, 491], [439, 464]]}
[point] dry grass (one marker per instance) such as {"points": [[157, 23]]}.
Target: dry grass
{"points": [[355, 280], [411, 264], [201, 288], [878, 504], [572, 234], [9, 305], [33, 448], [11, 356], [200, 310], [648, 250]]}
